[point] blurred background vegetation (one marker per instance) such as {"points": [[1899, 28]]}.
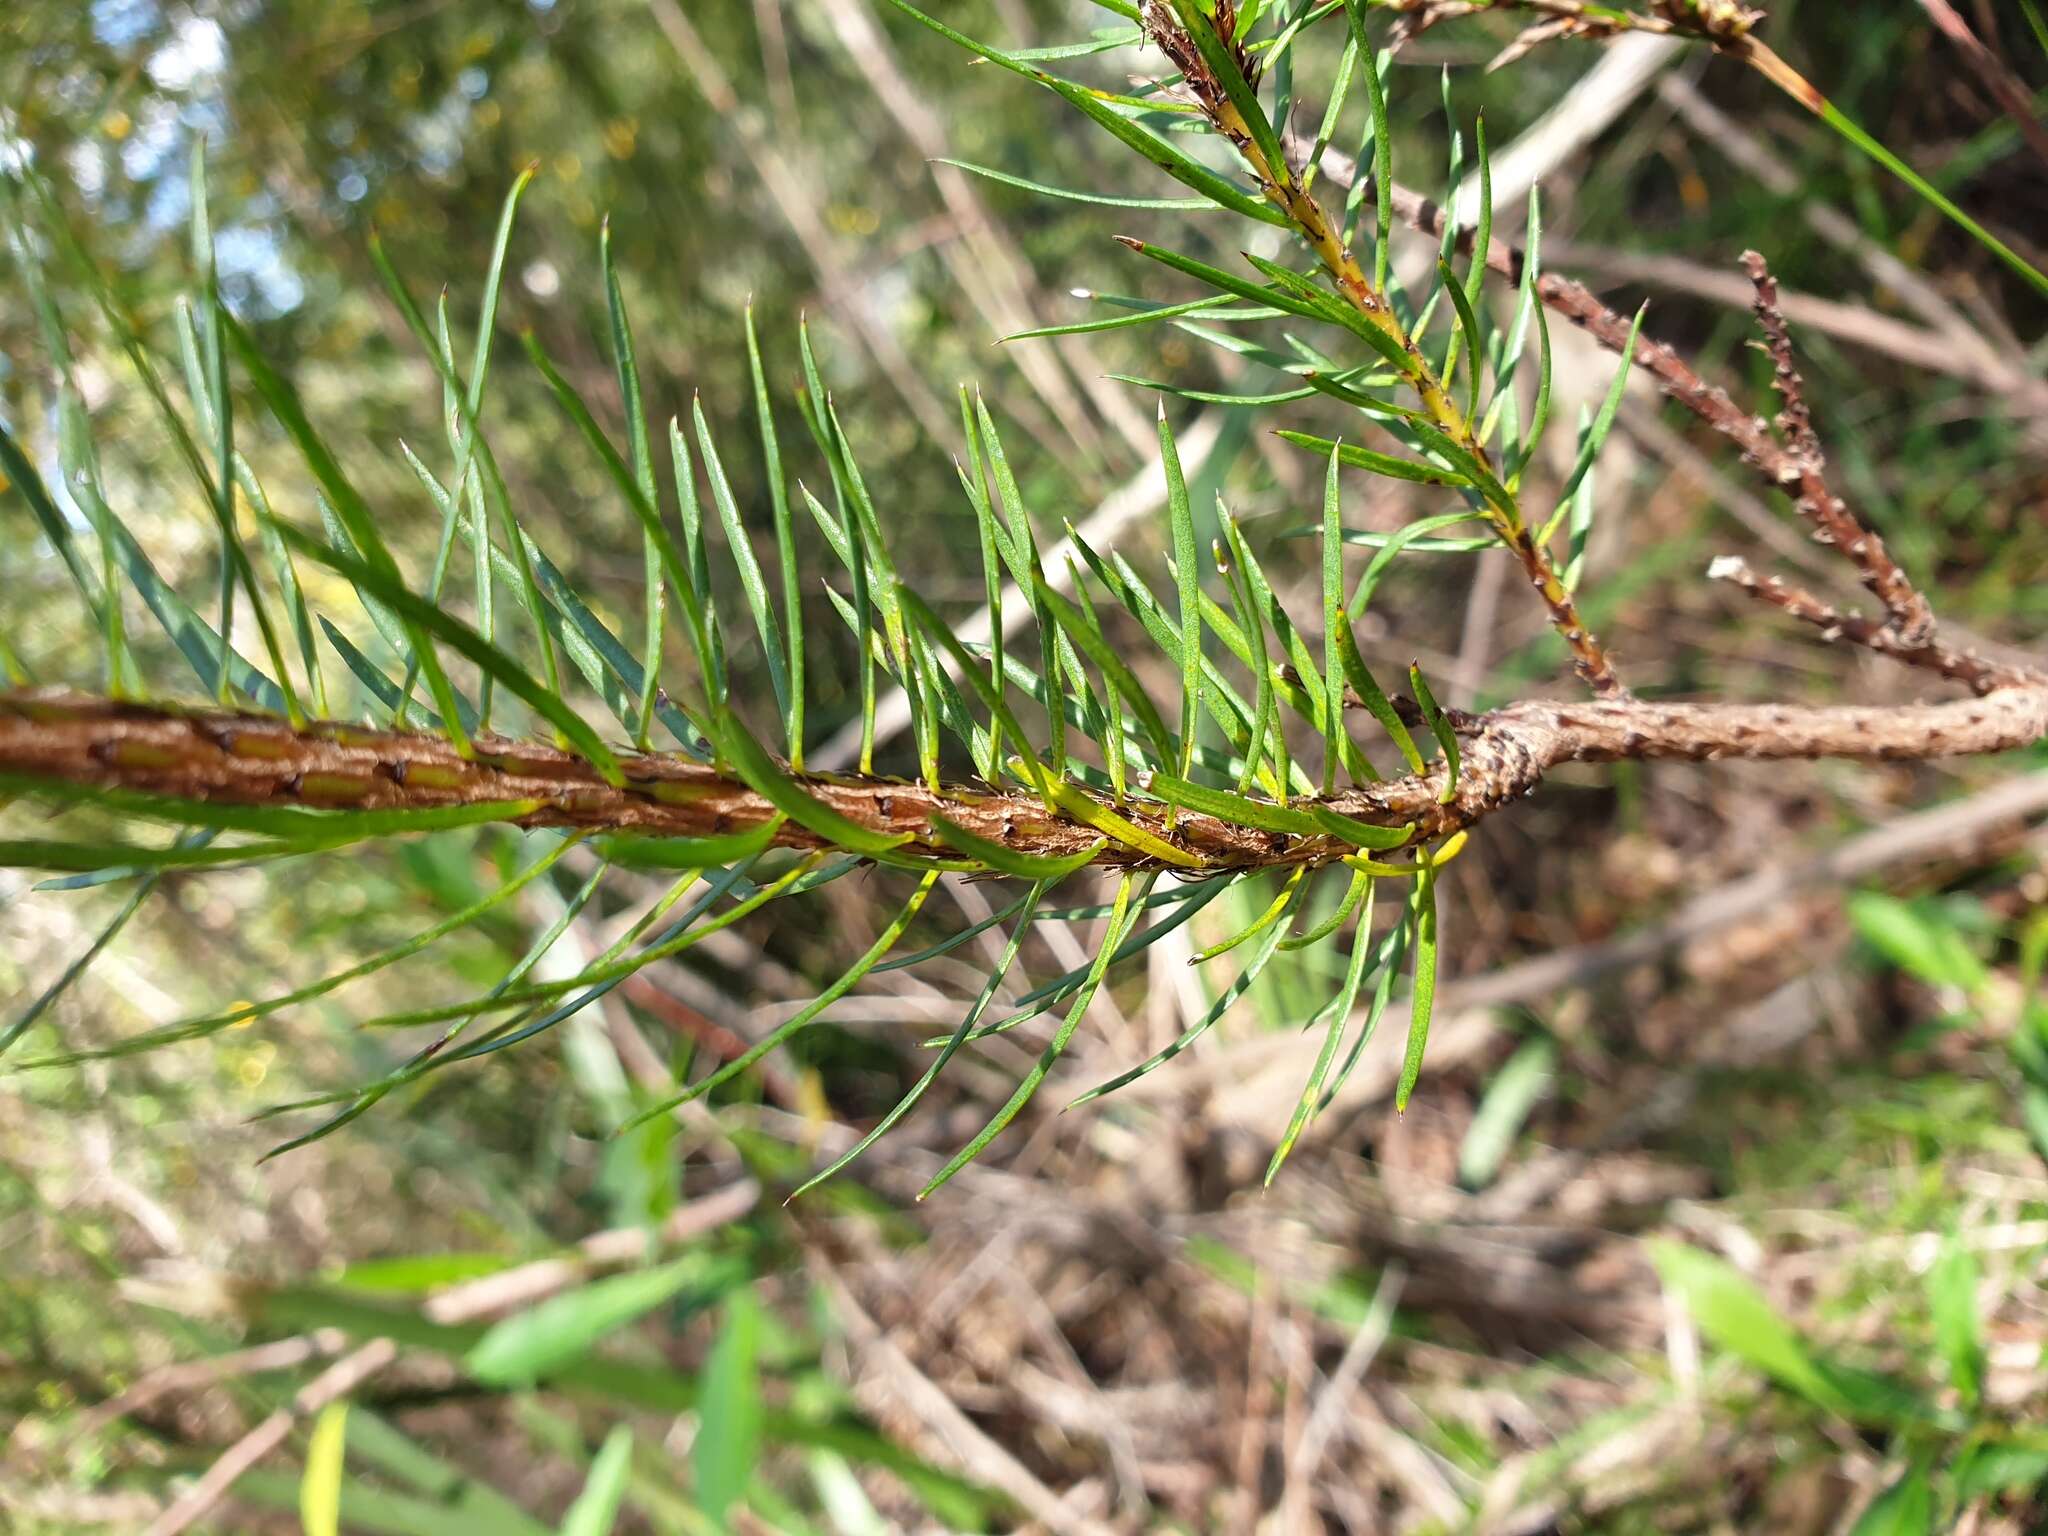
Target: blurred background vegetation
{"points": [[1744, 1233]]}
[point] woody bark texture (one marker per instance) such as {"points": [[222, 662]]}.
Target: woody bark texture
{"points": [[220, 757]]}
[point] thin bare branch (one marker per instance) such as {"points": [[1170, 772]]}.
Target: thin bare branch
{"points": [[1833, 523], [1966, 667]]}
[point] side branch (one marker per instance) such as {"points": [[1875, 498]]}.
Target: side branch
{"points": [[74, 742]]}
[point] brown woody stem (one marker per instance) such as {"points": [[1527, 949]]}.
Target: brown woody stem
{"points": [[219, 757]]}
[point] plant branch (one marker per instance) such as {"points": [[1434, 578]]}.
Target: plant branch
{"points": [[1290, 193], [1833, 524], [1797, 468], [1965, 667], [212, 757]]}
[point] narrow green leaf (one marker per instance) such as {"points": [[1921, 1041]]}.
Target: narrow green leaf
{"points": [[596, 1508], [1370, 693], [1122, 916], [527, 1346], [1220, 55], [1834, 117], [1382, 464], [630, 398], [1176, 162], [1360, 834], [1517, 1088], [1253, 965], [1440, 727], [801, 1019], [1187, 575], [1144, 312], [353, 513], [767, 778], [752, 583], [1360, 885], [197, 1026], [711, 852], [1178, 204], [1268, 735], [1238, 809], [1340, 92], [1084, 809], [1422, 1002], [1335, 1018], [1115, 669], [1025, 911], [1382, 143], [1025, 866], [679, 575], [991, 694], [1595, 437], [465, 406], [1735, 1316], [1320, 308], [729, 1430], [785, 548], [1904, 1509], [1469, 334], [1482, 241], [1333, 610], [1021, 549], [1958, 1332], [1283, 901]]}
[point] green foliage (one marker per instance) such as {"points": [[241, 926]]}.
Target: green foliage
{"points": [[1260, 740], [1256, 780]]}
